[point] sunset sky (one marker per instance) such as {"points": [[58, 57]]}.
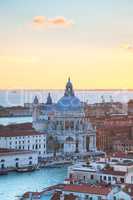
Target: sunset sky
{"points": [[42, 42]]}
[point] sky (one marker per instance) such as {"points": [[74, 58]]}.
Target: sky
{"points": [[43, 42]]}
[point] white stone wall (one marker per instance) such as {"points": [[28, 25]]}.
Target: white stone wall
{"points": [[32, 142], [22, 160]]}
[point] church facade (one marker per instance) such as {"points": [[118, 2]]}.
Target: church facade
{"points": [[68, 131]]}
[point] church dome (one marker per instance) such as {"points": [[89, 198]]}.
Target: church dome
{"points": [[69, 101]]}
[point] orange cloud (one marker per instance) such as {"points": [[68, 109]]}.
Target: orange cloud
{"points": [[42, 21], [39, 21], [60, 21], [128, 47]]}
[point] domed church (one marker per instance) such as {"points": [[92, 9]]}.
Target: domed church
{"points": [[64, 122]]}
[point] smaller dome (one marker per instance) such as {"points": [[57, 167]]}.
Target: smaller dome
{"points": [[49, 99], [36, 101]]}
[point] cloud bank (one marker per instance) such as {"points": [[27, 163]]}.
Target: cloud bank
{"points": [[128, 47], [44, 22]]}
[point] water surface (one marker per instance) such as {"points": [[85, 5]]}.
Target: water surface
{"points": [[15, 184]]}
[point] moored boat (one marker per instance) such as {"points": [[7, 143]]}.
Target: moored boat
{"points": [[25, 169], [3, 172]]}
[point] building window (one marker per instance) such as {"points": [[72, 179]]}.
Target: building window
{"points": [[122, 180], [2, 166], [86, 196], [99, 198], [17, 159], [44, 146], [17, 165], [30, 162], [104, 178], [30, 157], [92, 176], [109, 178]]}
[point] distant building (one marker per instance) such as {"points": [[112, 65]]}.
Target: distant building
{"points": [[65, 124], [130, 107], [23, 137], [109, 173], [12, 158], [90, 192]]}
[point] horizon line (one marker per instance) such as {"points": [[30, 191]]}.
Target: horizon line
{"points": [[47, 89]]}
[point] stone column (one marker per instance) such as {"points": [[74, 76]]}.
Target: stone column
{"points": [[92, 143]]}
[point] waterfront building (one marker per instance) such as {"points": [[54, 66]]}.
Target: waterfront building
{"points": [[97, 172], [90, 192], [123, 145], [12, 158], [113, 133], [130, 107], [65, 124], [121, 157], [23, 139]]}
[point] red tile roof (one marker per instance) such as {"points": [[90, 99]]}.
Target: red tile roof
{"points": [[7, 152], [15, 133], [126, 155], [13, 130], [90, 189], [112, 172], [70, 197]]}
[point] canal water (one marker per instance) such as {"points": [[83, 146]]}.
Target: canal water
{"points": [[15, 184]]}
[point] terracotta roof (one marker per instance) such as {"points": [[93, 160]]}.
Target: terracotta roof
{"points": [[14, 133], [90, 189], [112, 172], [122, 155], [71, 179], [27, 194], [23, 126], [56, 196], [70, 197], [6, 152]]}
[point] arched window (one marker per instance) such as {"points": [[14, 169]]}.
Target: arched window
{"points": [[66, 125]]}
